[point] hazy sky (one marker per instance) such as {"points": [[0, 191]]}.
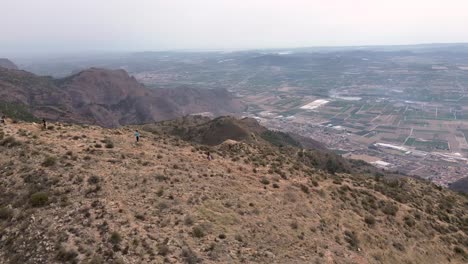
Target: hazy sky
{"points": [[51, 26]]}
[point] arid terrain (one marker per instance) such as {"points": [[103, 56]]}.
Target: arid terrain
{"points": [[87, 194], [402, 108]]}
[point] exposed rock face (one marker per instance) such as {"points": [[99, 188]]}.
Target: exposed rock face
{"points": [[108, 97], [8, 64]]}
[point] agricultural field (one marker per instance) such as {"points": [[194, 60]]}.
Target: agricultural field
{"points": [[406, 107]]}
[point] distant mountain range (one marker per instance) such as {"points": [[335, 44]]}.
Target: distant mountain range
{"points": [[105, 97]]}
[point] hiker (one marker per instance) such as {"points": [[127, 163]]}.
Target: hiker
{"points": [[44, 123], [208, 156], [2, 120], [137, 136]]}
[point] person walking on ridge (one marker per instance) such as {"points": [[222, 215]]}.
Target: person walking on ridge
{"points": [[137, 136], [44, 123]]}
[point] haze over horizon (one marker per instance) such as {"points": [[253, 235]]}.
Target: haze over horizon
{"points": [[54, 26]]}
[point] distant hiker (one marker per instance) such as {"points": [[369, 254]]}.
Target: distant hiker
{"points": [[137, 136], [208, 156], [44, 123], [2, 120]]}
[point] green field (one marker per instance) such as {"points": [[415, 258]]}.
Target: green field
{"points": [[427, 145]]}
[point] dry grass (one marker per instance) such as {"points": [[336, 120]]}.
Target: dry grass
{"points": [[163, 201]]}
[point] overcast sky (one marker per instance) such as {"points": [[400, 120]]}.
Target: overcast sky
{"points": [[52, 26]]}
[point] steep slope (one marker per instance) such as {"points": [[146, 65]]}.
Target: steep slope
{"points": [[8, 64], [205, 131], [37, 96], [460, 185], [84, 194], [107, 97]]}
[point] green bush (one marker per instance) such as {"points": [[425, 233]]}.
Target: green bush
{"points": [[460, 251], [409, 221], [189, 256], [39, 199], [265, 181], [163, 250], [49, 161], [108, 143], [352, 239], [188, 220], [93, 179], [389, 209], [160, 192], [399, 246], [6, 213], [294, 224], [370, 220], [10, 142], [95, 260], [198, 231], [64, 255], [315, 183], [115, 238], [305, 189]]}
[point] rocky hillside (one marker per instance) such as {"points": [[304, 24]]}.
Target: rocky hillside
{"points": [[86, 194], [104, 97], [8, 64]]}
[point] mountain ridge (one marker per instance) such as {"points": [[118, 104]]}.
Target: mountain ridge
{"points": [[108, 97]]}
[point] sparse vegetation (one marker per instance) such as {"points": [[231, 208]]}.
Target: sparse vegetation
{"points": [[370, 220], [352, 239], [265, 181], [115, 238], [305, 189], [189, 256], [388, 208], [198, 231], [409, 221], [107, 208], [160, 192], [188, 220], [67, 256], [49, 161], [460, 251], [108, 143], [163, 250], [39, 199], [5, 213], [9, 142], [93, 179]]}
